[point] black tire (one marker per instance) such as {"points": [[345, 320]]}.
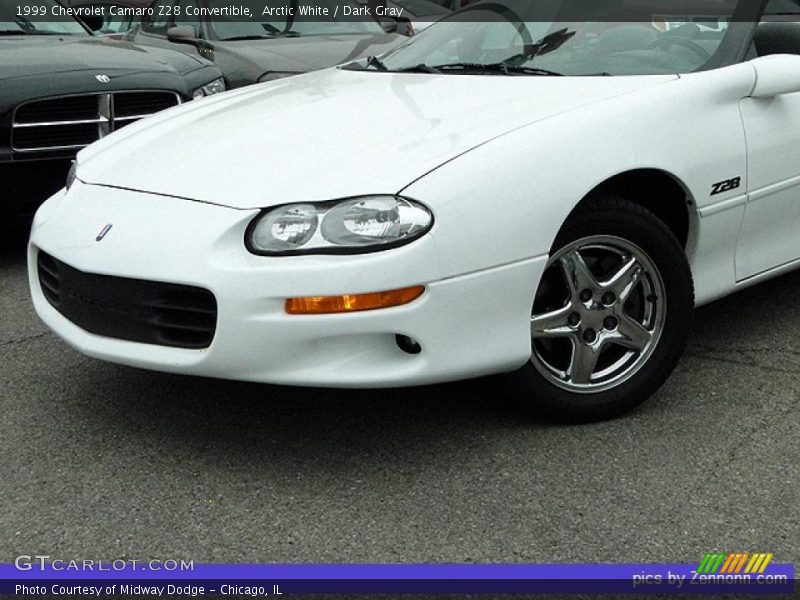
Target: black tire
{"points": [[545, 390]]}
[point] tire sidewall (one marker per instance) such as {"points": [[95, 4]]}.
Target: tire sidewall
{"points": [[640, 227]]}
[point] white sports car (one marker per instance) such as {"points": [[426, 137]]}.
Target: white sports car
{"points": [[560, 196]]}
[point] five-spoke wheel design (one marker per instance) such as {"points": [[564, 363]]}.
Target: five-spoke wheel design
{"points": [[598, 315]]}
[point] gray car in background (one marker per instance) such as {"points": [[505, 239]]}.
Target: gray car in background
{"points": [[253, 50]]}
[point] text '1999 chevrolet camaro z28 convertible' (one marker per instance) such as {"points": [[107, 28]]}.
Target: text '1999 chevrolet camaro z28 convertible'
{"points": [[552, 200]]}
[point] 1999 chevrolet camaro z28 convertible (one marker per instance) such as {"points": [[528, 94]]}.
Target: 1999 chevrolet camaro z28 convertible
{"points": [[556, 199]]}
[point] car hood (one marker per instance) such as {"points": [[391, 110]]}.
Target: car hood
{"points": [[311, 52], [330, 134], [45, 55]]}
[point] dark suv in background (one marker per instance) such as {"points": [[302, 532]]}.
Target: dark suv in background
{"points": [[61, 88]]}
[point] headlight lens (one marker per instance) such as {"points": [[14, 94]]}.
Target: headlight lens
{"points": [[285, 229], [354, 225], [72, 174], [215, 87], [273, 75]]}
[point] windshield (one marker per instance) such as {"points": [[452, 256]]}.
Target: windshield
{"points": [[549, 37], [294, 18], [34, 23]]}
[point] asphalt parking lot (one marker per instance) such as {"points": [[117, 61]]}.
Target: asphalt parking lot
{"points": [[103, 461]]}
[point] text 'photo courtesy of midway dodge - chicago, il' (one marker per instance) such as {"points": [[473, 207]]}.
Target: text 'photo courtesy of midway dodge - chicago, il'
{"points": [[555, 197]]}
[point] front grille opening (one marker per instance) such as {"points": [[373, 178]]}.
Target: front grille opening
{"points": [[185, 319], [70, 108], [137, 104], [55, 136], [49, 279], [137, 310]]}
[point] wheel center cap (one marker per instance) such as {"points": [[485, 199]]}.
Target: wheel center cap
{"points": [[595, 319]]}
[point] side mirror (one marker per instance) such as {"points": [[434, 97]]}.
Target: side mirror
{"points": [[182, 34], [389, 25], [776, 74]]}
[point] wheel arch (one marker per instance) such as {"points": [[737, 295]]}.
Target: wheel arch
{"points": [[659, 191]]}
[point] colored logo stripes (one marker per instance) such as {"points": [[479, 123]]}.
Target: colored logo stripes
{"points": [[739, 562]]}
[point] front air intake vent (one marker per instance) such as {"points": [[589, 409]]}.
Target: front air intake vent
{"points": [[137, 310]]}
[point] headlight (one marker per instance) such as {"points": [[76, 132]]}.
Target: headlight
{"points": [[354, 225], [72, 174], [215, 87], [273, 75]]}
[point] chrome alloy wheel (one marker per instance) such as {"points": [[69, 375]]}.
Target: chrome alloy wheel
{"points": [[598, 314]]}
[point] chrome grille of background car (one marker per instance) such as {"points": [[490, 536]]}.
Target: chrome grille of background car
{"points": [[72, 122]]}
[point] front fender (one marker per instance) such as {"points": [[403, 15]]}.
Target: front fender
{"points": [[506, 200]]}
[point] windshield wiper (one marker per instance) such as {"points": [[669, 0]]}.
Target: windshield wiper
{"points": [[32, 32], [241, 38], [549, 43], [374, 61], [420, 68], [271, 32], [502, 68]]}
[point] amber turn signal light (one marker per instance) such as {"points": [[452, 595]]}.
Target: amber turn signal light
{"points": [[324, 305]]}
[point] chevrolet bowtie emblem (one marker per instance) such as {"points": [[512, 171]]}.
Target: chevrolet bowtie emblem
{"points": [[103, 232]]}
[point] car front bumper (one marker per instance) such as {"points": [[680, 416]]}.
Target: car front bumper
{"points": [[467, 325]]}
